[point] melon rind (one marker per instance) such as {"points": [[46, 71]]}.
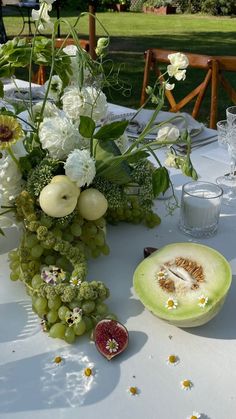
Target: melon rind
{"points": [[188, 313]]}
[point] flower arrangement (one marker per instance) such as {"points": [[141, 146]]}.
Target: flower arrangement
{"points": [[67, 170]]}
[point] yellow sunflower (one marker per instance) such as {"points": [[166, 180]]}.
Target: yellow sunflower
{"points": [[10, 131]]}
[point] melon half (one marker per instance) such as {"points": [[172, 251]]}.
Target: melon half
{"points": [[183, 283]]}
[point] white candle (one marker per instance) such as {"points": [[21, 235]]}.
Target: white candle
{"points": [[200, 208], [200, 212]]}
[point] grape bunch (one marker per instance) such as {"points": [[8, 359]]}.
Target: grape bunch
{"points": [[68, 305], [133, 212]]}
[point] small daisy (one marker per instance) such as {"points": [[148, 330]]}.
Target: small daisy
{"points": [[171, 303], [162, 275], [112, 345], [133, 391], [58, 360], [186, 384], [194, 415], [74, 281], [172, 360], [202, 301], [88, 372]]}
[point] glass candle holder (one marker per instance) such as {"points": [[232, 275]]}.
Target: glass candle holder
{"points": [[200, 208]]}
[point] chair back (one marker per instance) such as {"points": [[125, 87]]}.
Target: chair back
{"points": [[208, 63]]}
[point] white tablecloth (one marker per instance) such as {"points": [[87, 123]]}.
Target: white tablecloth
{"points": [[32, 386]]}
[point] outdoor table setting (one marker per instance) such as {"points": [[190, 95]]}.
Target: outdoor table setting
{"points": [[45, 378]]}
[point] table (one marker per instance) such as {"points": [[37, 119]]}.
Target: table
{"points": [[32, 386]]}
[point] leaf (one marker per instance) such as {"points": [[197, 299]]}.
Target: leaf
{"points": [[86, 126], [2, 232], [160, 181], [114, 170], [112, 131], [136, 156]]}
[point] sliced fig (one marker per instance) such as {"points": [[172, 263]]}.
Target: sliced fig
{"points": [[111, 338]]}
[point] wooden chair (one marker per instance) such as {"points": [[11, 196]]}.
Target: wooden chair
{"points": [[153, 57], [39, 77]]}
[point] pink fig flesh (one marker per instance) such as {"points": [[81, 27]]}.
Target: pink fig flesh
{"points": [[111, 338]]}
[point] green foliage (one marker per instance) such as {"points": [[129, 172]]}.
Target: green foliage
{"points": [[211, 7]]}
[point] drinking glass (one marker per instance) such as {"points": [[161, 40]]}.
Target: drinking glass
{"points": [[228, 181]]}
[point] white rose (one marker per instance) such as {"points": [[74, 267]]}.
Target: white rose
{"points": [[58, 136], [168, 133], [10, 180]]}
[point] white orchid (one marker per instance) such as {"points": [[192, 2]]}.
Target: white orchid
{"points": [[42, 15], [178, 63], [168, 132]]}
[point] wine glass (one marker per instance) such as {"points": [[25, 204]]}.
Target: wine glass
{"points": [[228, 181]]}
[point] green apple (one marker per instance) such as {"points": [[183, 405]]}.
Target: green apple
{"points": [[59, 199], [92, 204], [63, 178]]}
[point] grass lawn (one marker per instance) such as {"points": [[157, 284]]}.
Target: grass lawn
{"points": [[132, 33]]}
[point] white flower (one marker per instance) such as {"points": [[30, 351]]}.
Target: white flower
{"points": [[178, 63], [58, 136], [42, 16], [186, 384], [50, 110], [171, 304], [169, 86], [112, 345], [87, 102], [168, 133], [55, 88], [194, 415], [170, 160], [80, 167], [202, 301], [172, 360]]}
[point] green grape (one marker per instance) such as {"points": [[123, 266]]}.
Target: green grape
{"points": [[69, 335], [68, 237], [14, 275], [14, 265], [54, 303], [57, 331], [36, 281], [13, 255], [52, 316], [37, 251], [95, 253], [50, 260], [80, 328], [45, 220], [62, 262], [31, 240], [88, 322], [57, 233], [101, 308], [41, 304], [105, 250], [100, 222], [63, 312], [74, 304], [100, 238], [88, 307], [76, 229]]}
